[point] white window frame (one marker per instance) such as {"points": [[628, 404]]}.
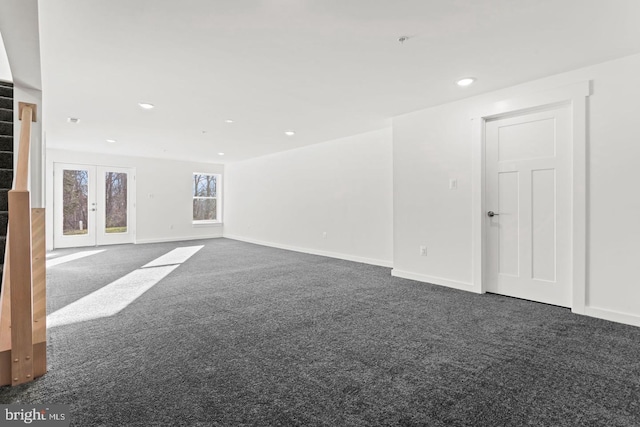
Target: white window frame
{"points": [[218, 199]]}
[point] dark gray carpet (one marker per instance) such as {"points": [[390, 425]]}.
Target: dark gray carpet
{"points": [[247, 335]]}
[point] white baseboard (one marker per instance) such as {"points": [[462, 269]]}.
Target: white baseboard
{"points": [[614, 316], [175, 239], [329, 254], [434, 280]]}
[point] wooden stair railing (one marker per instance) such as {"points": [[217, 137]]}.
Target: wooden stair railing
{"points": [[23, 331]]}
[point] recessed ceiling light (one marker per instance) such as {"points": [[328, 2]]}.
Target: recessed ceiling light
{"points": [[111, 140], [146, 105], [466, 81], [228, 121], [289, 133], [73, 120], [220, 154]]}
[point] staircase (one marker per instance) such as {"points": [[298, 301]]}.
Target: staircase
{"points": [[23, 318], [6, 160]]}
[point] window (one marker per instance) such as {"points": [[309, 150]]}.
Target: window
{"points": [[205, 198]]}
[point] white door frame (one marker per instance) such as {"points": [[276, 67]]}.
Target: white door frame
{"points": [[131, 201], [576, 97]]}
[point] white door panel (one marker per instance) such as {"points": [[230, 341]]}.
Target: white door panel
{"points": [[528, 189]]}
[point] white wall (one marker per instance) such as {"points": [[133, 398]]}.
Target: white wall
{"points": [[20, 63], [163, 194], [340, 187], [21, 35], [434, 145], [5, 70]]}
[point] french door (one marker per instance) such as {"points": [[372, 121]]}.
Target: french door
{"points": [[93, 205], [528, 198]]}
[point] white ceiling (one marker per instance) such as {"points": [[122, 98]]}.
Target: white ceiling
{"points": [[325, 69]]}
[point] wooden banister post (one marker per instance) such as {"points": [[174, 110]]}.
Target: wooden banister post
{"points": [[20, 259], [5, 323], [22, 304], [27, 115], [39, 279], [21, 287]]}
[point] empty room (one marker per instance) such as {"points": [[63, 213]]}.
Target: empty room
{"points": [[319, 213]]}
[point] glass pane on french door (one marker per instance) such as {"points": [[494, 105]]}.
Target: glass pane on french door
{"points": [[114, 194], [115, 202], [75, 201], [74, 205]]}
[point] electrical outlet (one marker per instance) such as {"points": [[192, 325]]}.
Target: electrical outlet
{"points": [[453, 184], [324, 234], [423, 250]]}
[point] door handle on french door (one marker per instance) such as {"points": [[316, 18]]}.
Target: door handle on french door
{"points": [[491, 214]]}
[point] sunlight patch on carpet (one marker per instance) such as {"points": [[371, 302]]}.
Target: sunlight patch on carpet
{"points": [[111, 299], [116, 296], [176, 256], [72, 257]]}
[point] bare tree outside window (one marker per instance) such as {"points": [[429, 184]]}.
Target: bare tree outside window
{"points": [[115, 202], [75, 193], [205, 203]]}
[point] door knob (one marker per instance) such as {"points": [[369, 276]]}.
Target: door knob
{"points": [[93, 209], [491, 214]]}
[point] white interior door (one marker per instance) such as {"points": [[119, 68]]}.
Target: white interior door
{"points": [[528, 202], [93, 205]]}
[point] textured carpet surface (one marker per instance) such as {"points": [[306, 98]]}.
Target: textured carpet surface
{"points": [[248, 335]]}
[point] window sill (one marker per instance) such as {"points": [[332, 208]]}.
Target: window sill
{"points": [[198, 224]]}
